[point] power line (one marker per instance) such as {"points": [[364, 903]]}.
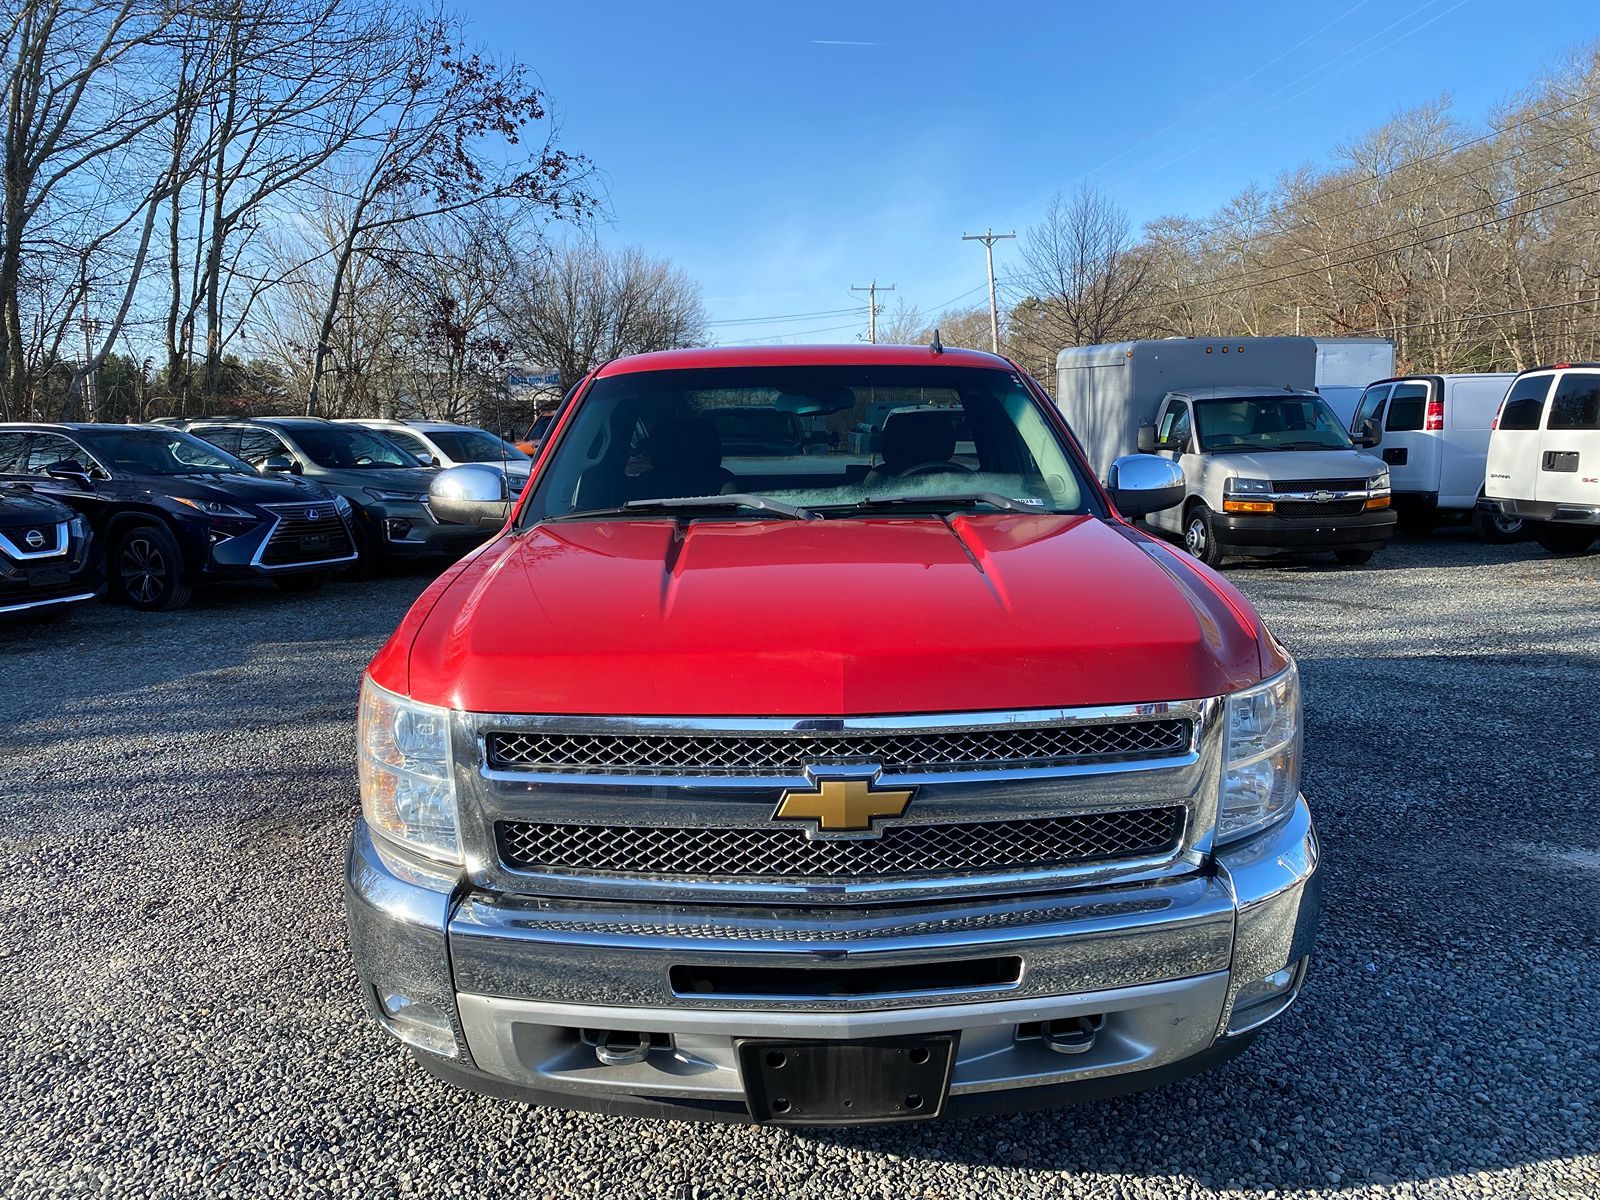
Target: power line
{"points": [[778, 337], [1378, 176], [826, 312], [1247, 279]]}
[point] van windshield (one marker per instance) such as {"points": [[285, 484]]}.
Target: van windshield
{"points": [[836, 441], [1269, 423]]}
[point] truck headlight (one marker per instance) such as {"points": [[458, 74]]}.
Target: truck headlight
{"points": [[407, 786], [1262, 753], [1379, 482]]}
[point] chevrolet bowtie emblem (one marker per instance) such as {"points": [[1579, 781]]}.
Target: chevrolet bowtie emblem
{"points": [[843, 805]]}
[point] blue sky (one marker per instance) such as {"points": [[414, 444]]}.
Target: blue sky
{"points": [[782, 152]]}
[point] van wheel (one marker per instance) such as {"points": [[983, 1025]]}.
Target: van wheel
{"points": [[1497, 528], [1564, 539], [1353, 558], [1199, 538], [147, 570]]}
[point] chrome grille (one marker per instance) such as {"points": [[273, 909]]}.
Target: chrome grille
{"points": [[1319, 485], [1310, 508], [306, 533], [788, 754], [900, 851]]}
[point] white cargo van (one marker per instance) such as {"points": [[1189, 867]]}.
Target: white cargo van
{"points": [[1433, 432], [1268, 468], [1544, 456]]}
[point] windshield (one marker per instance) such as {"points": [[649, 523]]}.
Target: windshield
{"points": [[158, 452], [1269, 423], [347, 447], [474, 445], [831, 438]]}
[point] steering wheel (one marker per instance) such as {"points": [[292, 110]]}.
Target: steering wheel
{"points": [[939, 467]]}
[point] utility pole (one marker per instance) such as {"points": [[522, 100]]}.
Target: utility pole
{"points": [[989, 237], [91, 329], [872, 289]]}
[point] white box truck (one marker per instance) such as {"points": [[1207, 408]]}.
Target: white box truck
{"points": [[1346, 365], [1268, 468]]}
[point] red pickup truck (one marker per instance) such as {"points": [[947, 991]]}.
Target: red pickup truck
{"points": [[887, 775]]}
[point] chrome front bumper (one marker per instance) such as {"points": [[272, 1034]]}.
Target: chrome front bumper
{"points": [[517, 980]]}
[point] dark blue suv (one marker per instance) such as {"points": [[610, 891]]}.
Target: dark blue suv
{"points": [[171, 511]]}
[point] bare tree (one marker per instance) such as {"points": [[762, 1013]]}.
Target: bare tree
{"points": [[1084, 269], [581, 305], [444, 142]]}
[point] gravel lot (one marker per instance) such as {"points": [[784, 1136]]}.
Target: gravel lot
{"points": [[182, 1018]]}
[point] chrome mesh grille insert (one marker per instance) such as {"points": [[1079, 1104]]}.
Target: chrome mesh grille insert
{"points": [[788, 754], [778, 853]]}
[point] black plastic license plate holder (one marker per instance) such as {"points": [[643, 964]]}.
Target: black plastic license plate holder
{"points": [[855, 1082]]}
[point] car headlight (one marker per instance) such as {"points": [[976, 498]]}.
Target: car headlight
{"points": [[408, 497], [1379, 482], [215, 508], [1262, 751], [407, 786], [78, 528], [1249, 485], [341, 505]]}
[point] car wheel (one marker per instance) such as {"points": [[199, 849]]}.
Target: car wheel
{"points": [[1497, 528], [1353, 558], [147, 570], [302, 581], [1199, 537], [1565, 539]]}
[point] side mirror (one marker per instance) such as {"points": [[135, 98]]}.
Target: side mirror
{"points": [[1370, 434], [1147, 439], [71, 471], [1143, 483], [471, 494], [280, 464]]}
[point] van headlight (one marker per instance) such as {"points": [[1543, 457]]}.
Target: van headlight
{"points": [[407, 786], [1262, 753]]}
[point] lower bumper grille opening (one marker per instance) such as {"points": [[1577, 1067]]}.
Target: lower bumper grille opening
{"points": [[978, 974], [901, 850], [1310, 508]]}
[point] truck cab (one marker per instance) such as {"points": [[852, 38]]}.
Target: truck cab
{"points": [[834, 787], [1268, 468]]}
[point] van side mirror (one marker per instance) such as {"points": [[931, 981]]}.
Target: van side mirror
{"points": [[471, 494], [1370, 434], [71, 470], [1141, 484]]}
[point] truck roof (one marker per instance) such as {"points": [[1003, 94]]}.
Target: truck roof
{"points": [[803, 356], [1113, 352]]}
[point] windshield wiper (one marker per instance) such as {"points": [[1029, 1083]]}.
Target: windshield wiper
{"points": [[674, 504], [1309, 446], [993, 499]]}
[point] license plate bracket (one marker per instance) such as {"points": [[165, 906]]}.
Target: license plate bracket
{"points": [[855, 1082], [48, 576]]}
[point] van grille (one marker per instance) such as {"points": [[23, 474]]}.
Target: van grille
{"points": [[901, 850], [786, 755], [1319, 485], [1310, 508]]}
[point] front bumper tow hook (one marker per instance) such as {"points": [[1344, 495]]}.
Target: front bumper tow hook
{"points": [[1071, 1035], [616, 1048]]}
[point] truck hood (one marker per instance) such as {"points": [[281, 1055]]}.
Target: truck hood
{"points": [[1299, 464], [825, 618]]}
